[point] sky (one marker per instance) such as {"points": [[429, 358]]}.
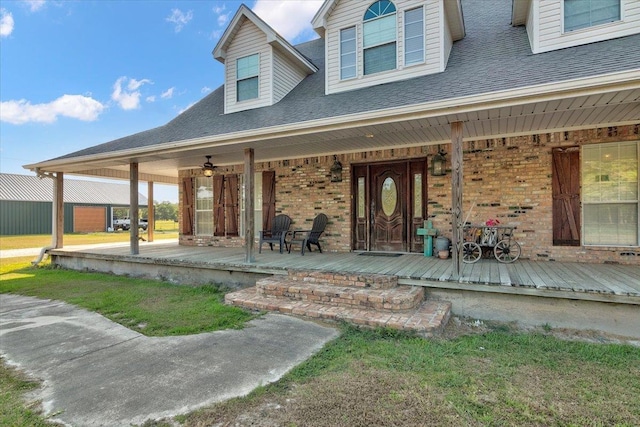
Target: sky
{"points": [[74, 74]]}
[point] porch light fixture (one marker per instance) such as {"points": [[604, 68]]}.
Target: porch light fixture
{"points": [[207, 168], [439, 164], [336, 170]]}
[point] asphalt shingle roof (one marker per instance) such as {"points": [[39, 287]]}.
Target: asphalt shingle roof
{"points": [[493, 56], [14, 187]]}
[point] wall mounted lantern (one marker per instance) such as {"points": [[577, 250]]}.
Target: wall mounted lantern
{"points": [[336, 170], [207, 168], [439, 164]]}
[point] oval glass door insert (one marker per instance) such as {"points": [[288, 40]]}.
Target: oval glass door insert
{"points": [[389, 196]]}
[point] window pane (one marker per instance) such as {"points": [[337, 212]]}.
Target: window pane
{"points": [[379, 31], [381, 58], [611, 224], [610, 193], [257, 203], [348, 53], [586, 13], [247, 89], [389, 196], [413, 37], [417, 195], [204, 206], [361, 199], [249, 66], [379, 8]]}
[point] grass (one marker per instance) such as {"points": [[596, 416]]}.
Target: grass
{"points": [[150, 307], [497, 378], [163, 230]]}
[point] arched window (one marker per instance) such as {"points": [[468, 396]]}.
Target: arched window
{"points": [[379, 37]]}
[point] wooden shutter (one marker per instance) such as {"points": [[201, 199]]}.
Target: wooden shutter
{"points": [[268, 198], [231, 202], [566, 196], [187, 207], [218, 205]]}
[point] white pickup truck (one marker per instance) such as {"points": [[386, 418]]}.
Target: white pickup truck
{"points": [[125, 224]]}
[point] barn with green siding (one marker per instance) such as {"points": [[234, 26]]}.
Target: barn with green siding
{"points": [[26, 202]]}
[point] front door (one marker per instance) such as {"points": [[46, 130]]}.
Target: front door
{"points": [[388, 206]]}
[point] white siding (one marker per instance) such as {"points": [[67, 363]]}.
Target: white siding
{"points": [[532, 26], [247, 41], [349, 13], [550, 18], [286, 75]]}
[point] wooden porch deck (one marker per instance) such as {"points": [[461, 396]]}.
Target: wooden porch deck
{"points": [[580, 281]]}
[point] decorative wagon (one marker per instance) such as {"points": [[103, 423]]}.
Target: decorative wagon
{"points": [[496, 239]]}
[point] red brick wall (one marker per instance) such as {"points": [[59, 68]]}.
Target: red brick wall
{"points": [[505, 178]]}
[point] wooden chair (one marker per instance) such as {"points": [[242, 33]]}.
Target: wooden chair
{"points": [[306, 238], [279, 229]]}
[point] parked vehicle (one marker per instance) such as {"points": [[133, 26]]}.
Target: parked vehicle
{"points": [[125, 224]]}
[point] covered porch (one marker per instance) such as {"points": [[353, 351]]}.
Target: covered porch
{"points": [[561, 294]]}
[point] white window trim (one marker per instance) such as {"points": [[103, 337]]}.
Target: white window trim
{"points": [[196, 210], [564, 32], [247, 78], [355, 27], [404, 38], [583, 203], [362, 50]]}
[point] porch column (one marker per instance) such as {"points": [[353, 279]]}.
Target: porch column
{"points": [[57, 217], [151, 224], [249, 208], [456, 197], [134, 244]]}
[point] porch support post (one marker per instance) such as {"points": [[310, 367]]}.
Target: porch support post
{"points": [[456, 197], [249, 208], [134, 244], [151, 222], [57, 230]]}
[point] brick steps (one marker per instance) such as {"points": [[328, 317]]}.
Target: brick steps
{"points": [[428, 319], [394, 299], [366, 300]]}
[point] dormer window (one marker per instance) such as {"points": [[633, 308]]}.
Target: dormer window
{"points": [[379, 38], [247, 72], [589, 13]]}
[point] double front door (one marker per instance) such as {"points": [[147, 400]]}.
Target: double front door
{"points": [[389, 205]]}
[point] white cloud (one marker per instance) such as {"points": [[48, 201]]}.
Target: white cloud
{"points": [[129, 98], [280, 15], [151, 98], [205, 89], [73, 106], [179, 19], [6, 23], [167, 94], [35, 5]]}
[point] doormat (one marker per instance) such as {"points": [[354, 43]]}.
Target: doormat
{"points": [[387, 254]]}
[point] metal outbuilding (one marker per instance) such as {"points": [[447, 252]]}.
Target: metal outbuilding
{"points": [[26, 201]]}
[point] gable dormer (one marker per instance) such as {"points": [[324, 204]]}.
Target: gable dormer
{"points": [[558, 24], [380, 41], [260, 66]]}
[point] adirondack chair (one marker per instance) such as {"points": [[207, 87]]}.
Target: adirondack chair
{"points": [[306, 238], [279, 229]]}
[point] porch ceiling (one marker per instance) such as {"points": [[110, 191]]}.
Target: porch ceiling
{"points": [[397, 129]]}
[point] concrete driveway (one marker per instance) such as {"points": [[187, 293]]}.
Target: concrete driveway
{"points": [[98, 373]]}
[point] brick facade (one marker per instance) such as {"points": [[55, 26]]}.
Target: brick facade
{"points": [[506, 178]]}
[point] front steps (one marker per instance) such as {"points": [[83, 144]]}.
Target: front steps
{"points": [[370, 300]]}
